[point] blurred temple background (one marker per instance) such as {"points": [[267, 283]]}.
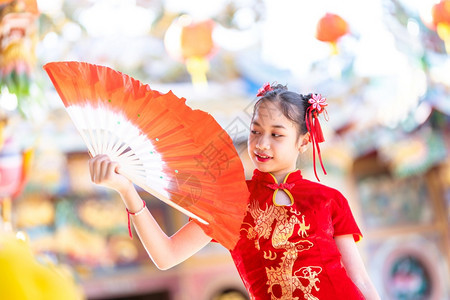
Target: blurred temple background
{"points": [[383, 65]]}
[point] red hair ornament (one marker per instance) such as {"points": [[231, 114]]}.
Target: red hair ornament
{"points": [[318, 104], [265, 88]]}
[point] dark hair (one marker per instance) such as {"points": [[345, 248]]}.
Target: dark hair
{"points": [[292, 105]]}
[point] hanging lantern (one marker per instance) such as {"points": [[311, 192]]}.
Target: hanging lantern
{"points": [[441, 21], [192, 43], [330, 29]]}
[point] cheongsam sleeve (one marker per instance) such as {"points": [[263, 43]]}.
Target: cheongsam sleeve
{"points": [[343, 219]]}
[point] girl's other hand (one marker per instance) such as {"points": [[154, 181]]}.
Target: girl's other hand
{"points": [[104, 172]]}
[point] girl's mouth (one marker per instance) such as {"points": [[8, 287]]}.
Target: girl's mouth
{"points": [[262, 157]]}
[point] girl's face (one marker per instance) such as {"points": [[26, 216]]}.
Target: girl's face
{"points": [[273, 143]]}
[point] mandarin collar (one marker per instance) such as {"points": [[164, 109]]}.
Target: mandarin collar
{"points": [[266, 177]]}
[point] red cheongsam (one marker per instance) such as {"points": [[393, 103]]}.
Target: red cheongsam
{"points": [[288, 252]]}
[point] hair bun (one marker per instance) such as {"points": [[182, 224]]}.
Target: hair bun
{"points": [[277, 86], [305, 99]]}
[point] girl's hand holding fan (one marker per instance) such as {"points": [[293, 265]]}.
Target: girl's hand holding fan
{"points": [[179, 155], [101, 174]]}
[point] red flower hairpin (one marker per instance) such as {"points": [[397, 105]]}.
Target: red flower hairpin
{"points": [[318, 103], [265, 88]]}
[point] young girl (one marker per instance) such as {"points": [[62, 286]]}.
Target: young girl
{"points": [[298, 237]]}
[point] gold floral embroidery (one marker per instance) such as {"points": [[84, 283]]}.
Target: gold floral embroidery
{"points": [[282, 275]]}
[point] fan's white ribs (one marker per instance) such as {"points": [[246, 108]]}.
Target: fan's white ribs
{"points": [[89, 127], [162, 197], [142, 176], [101, 133], [95, 124], [112, 141], [135, 139], [128, 153], [105, 134], [134, 171], [150, 162], [145, 148], [152, 170], [98, 139], [145, 169], [133, 164], [112, 137], [121, 150], [118, 143], [132, 159], [86, 141], [136, 168], [132, 142], [112, 134], [120, 130], [130, 162], [81, 131], [153, 165]]}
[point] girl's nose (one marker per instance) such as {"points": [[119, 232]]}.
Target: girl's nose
{"points": [[262, 143]]}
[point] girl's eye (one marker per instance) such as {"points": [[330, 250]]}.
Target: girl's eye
{"points": [[254, 132], [276, 135]]}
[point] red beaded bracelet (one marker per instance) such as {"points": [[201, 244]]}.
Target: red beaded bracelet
{"points": [[134, 214]]}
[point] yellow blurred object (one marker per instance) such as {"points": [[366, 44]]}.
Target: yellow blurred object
{"points": [[443, 30], [6, 209], [22, 277], [27, 156], [27, 159], [197, 67], [2, 131]]}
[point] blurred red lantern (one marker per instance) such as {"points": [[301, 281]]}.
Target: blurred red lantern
{"points": [[191, 42], [330, 29], [441, 20]]}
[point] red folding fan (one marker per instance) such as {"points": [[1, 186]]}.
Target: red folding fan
{"points": [[179, 155]]}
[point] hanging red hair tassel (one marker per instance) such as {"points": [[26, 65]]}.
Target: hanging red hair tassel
{"points": [[314, 128], [318, 130]]}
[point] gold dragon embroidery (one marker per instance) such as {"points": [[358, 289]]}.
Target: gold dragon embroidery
{"points": [[282, 276]]}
